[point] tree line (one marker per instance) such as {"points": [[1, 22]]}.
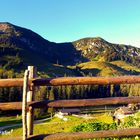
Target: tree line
{"points": [[11, 94]]}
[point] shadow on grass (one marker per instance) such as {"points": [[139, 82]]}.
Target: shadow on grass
{"points": [[9, 122]]}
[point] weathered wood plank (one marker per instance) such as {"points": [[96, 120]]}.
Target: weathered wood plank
{"points": [[11, 82], [86, 102], [87, 80], [72, 103], [11, 106], [11, 138], [24, 105], [30, 98], [72, 81], [83, 135], [88, 135]]}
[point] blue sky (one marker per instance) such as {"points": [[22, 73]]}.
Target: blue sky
{"points": [[117, 21]]}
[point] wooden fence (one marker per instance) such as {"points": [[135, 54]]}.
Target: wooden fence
{"points": [[28, 104]]}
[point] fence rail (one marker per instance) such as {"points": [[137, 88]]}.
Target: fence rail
{"points": [[15, 82], [86, 80], [31, 104], [89, 135], [71, 103], [71, 81]]}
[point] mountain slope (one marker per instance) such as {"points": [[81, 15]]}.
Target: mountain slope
{"points": [[98, 68], [29, 47], [20, 47], [101, 50]]}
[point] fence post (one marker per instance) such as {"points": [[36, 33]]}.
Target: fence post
{"points": [[30, 97], [24, 104]]}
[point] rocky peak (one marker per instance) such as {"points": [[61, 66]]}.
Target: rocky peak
{"points": [[5, 26]]}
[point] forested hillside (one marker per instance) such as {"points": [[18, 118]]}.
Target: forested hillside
{"points": [[20, 47]]}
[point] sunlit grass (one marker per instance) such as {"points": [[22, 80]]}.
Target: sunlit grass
{"points": [[57, 125]]}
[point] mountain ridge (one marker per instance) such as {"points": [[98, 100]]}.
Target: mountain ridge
{"points": [[20, 47]]}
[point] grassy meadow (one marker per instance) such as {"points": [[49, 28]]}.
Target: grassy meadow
{"points": [[57, 125]]}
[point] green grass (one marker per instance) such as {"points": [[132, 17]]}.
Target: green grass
{"points": [[10, 120], [115, 68], [57, 125], [126, 66]]}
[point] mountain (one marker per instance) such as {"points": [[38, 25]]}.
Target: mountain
{"points": [[20, 47], [101, 50], [22, 42]]}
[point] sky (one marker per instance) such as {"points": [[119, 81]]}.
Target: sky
{"points": [[117, 21]]}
